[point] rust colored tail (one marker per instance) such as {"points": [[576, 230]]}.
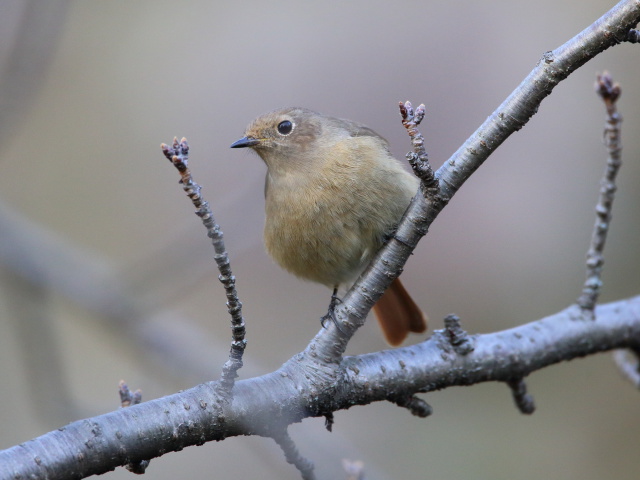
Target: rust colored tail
{"points": [[398, 314]]}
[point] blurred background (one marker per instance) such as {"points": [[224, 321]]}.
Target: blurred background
{"points": [[106, 273]]}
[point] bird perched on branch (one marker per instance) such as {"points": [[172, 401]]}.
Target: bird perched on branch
{"points": [[333, 195]]}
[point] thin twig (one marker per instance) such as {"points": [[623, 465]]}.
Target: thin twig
{"points": [[418, 159], [457, 336], [128, 398], [139, 467], [609, 92], [178, 154], [415, 405], [292, 455], [523, 400], [628, 362]]}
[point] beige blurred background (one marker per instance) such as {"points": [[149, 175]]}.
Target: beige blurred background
{"points": [[107, 274]]}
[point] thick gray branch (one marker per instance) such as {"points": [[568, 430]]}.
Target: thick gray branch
{"points": [[304, 388]]}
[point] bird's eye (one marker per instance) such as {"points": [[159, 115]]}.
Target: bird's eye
{"points": [[285, 127]]}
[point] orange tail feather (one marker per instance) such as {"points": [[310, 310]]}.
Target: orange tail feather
{"points": [[398, 314]]}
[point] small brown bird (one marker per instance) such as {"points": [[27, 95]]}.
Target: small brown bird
{"points": [[333, 194]]}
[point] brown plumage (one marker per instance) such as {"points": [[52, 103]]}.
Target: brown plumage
{"points": [[332, 193]]}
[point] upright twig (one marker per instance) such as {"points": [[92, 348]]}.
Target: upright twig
{"points": [[459, 339], [178, 154], [609, 92], [418, 159], [128, 398]]}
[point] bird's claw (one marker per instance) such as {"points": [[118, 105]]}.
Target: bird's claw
{"points": [[331, 312]]}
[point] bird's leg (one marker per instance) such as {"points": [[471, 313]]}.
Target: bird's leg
{"points": [[331, 312]]}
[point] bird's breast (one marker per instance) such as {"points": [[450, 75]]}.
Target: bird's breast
{"points": [[315, 232]]}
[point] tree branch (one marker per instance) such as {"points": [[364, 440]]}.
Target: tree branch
{"points": [[298, 390], [609, 92], [178, 154], [291, 453], [319, 380], [628, 362], [610, 29]]}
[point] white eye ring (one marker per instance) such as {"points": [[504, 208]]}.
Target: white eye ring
{"points": [[285, 127]]}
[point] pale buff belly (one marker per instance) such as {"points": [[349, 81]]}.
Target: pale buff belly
{"points": [[322, 244]]}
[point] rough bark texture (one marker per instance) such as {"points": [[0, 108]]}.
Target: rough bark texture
{"points": [[303, 388]]}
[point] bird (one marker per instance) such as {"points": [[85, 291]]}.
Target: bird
{"points": [[333, 195]]}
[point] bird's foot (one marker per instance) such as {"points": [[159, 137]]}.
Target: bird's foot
{"points": [[331, 311]]}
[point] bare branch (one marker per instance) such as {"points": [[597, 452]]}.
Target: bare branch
{"points": [[291, 453], [523, 400], [296, 391], [127, 399], [415, 405], [628, 362], [458, 338], [609, 92], [178, 154], [42, 259], [514, 113], [609, 30], [418, 159], [31, 50]]}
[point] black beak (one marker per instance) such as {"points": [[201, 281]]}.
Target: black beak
{"points": [[245, 142]]}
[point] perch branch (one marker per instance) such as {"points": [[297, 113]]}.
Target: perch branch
{"points": [[513, 114], [262, 405]]}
